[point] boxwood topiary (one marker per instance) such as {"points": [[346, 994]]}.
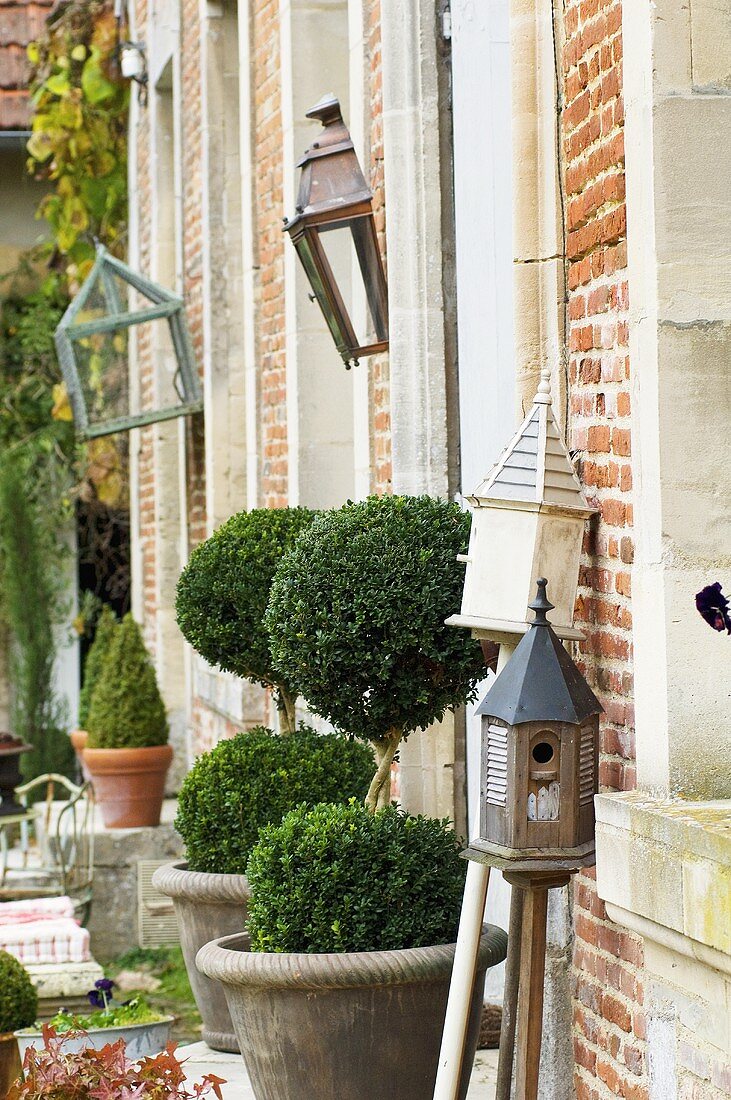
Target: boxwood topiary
{"points": [[356, 620], [105, 628], [126, 709], [338, 878], [254, 779], [18, 998], [223, 592]]}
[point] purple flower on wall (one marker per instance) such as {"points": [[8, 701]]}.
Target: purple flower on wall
{"points": [[713, 606]]}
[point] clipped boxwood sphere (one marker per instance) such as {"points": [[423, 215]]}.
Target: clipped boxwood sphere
{"points": [[126, 709], [254, 779], [223, 591], [357, 609], [18, 998], [338, 878]]}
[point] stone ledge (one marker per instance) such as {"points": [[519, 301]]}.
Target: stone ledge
{"points": [[669, 861]]}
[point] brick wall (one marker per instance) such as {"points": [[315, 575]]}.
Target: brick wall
{"points": [[609, 1025], [20, 23]]}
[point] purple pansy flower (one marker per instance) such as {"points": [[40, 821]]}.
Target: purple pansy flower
{"points": [[713, 606], [101, 994]]}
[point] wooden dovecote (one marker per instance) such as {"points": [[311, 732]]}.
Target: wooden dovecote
{"points": [[528, 520]]}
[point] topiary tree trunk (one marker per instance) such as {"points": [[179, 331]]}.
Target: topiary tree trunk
{"points": [[286, 705], [379, 792]]}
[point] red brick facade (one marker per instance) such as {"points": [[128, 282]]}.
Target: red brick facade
{"points": [[609, 1038], [20, 23]]}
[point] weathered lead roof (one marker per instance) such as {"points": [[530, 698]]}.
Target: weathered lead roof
{"points": [[535, 466], [540, 682]]}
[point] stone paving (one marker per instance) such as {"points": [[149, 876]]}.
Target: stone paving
{"points": [[200, 1060]]}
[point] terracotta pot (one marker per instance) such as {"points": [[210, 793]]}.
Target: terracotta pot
{"points": [[129, 784], [78, 739], [343, 1027], [10, 1066], [206, 906]]}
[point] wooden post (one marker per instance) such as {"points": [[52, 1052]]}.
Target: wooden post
{"points": [[510, 998], [530, 1000]]}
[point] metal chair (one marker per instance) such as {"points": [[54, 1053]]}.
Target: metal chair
{"points": [[65, 845]]}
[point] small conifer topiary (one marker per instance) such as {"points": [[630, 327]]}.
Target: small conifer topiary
{"points": [[105, 628], [254, 779], [126, 709], [356, 620], [338, 878], [223, 592], [18, 998]]}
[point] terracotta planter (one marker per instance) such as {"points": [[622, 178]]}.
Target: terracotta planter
{"points": [[129, 784], [344, 1027], [207, 906], [10, 1066], [78, 739]]}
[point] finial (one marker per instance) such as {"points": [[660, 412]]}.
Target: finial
{"points": [[541, 604], [543, 393]]}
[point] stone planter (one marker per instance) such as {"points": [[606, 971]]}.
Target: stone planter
{"points": [[10, 1064], [129, 784], [343, 1027], [207, 906], [142, 1040]]}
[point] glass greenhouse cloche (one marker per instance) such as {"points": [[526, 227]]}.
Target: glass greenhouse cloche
{"points": [[118, 321]]}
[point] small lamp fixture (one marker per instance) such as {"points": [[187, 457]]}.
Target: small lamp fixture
{"points": [[334, 233], [528, 520], [93, 346], [540, 726]]}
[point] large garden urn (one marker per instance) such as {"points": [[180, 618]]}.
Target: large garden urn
{"points": [[11, 749]]}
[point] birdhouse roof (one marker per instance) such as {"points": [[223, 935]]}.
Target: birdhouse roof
{"points": [[535, 467], [540, 682]]}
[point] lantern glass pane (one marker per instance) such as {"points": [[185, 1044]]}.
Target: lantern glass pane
{"points": [[105, 362], [351, 251]]}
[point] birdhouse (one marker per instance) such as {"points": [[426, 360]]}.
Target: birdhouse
{"points": [[540, 723], [528, 520]]}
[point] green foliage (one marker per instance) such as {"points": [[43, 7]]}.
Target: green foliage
{"points": [[337, 878], [18, 998], [79, 139], [136, 1010], [105, 630], [31, 601], [223, 592], [356, 615], [126, 709], [253, 780]]}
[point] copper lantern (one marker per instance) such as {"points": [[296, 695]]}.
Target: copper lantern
{"points": [[540, 723], [334, 233]]}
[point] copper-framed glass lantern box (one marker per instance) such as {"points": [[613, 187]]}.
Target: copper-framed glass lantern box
{"points": [[118, 316], [334, 233]]}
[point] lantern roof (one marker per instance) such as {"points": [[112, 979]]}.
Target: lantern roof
{"points": [[540, 682], [535, 467]]}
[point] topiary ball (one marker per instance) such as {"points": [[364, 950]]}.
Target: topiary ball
{"points": [[126, 709], [18, 997], [357, 609], [105, 628], [223, 591], [255, 778], [338, 878]]}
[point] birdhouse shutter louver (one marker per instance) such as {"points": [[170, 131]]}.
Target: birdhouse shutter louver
{"points": [[497, 765], [586, 766]]}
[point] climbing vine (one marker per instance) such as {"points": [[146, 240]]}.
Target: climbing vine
{"points": [[79, 139], [78, 146]]}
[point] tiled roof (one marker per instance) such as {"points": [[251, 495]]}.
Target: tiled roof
{"points": [[20, 22], [535, 467]]}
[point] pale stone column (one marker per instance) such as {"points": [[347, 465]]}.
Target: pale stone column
{"points": [[314, 60], [538, 275], [223, 315], [678, 118], [411, 138]]}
